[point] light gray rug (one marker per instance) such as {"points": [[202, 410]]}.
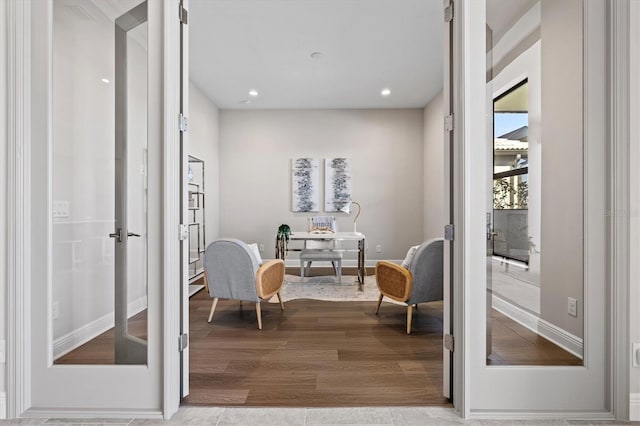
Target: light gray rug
{"points": [[326, 288]]}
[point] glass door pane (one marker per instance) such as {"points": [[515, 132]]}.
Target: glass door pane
{"points": [[536, 263], [99, 290]]}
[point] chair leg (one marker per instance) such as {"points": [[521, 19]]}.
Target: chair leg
{"points": [[339, 270], [308, 268], [379, 303], [206, 283], [213, 308], [259, 315], [409, 316], [301, 269], [280, 299]]}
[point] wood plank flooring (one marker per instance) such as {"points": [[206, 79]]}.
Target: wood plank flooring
{"points": [[315, 354], [513, 344], [323, 354]]}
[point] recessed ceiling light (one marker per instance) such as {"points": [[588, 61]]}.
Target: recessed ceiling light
{"points": [[316, 55], [385, 92], [245, 101], [253, 93], [105, 80]]}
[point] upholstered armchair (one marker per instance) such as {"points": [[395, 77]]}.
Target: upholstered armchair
{"points": [[233, 271], [419, 281]]}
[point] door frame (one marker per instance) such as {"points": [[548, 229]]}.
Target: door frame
{"points": [[19, 226], [18, 62]]}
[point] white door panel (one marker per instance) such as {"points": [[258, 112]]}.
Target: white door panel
{"points": [[95, 388], [532, 390]]}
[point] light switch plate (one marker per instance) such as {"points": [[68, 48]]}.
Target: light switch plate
{"points": [[572, 307]]}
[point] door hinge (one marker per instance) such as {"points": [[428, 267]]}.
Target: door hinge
{"points": [[448, 123], [449, 232], [448, 13], [183, 342], [183, 123], [449, 342], [183, 15], [183, 232]]}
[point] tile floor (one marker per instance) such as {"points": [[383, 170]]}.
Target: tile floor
{"points": [[309, 416]]}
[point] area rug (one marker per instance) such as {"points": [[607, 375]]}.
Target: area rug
{"points": [[326, 288]]}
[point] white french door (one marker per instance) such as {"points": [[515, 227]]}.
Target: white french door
{"points": [[184, 161], [104, 241], [528, 390]]}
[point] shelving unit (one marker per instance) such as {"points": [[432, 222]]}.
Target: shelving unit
{"points": [[197, 240]]}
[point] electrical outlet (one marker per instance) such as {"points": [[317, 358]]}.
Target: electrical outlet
{"points": [[261, 247], [378, 248], [60, 208], [572, 307], [55, 310], [635, 355]]}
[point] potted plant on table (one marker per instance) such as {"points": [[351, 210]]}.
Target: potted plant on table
{"points": [[284, 231]]}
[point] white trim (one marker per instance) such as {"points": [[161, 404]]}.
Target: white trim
{"points": [[18, 201], [619, 214], [3, 405], [634, 407], [551, 332], [91, 414], [595, 415], [76, 338], [172, 278], [462, 56]]}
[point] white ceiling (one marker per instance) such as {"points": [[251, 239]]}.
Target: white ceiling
{"points": [[367, 45]]}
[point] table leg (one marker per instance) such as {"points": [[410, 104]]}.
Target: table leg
{"points": [[361, 270]]}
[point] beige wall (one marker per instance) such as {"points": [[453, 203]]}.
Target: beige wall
{"points": [[433, 164], [562, 149], [204, 144], [385, 146]]}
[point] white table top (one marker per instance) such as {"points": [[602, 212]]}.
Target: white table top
{"points": [[328, 236]]}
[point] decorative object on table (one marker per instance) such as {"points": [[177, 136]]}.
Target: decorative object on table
{"points": [[282, 238], [322, 225], [232, 271], [337, 189], [420, 282], [355, 219], [305, 185]]}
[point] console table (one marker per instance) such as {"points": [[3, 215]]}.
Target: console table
{"points": [[336, 236]]}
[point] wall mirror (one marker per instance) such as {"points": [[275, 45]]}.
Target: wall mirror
{"points": [[535, 183], [98, 299]]}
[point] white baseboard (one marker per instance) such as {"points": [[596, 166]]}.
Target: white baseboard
{"points": [[70, 341], [3, 405], [555, 334], [634, 406]]}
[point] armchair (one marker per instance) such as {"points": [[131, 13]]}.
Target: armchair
{"points": [[232, 272], [420, 282]]}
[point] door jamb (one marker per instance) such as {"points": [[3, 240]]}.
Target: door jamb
{"points": [[171, 215], [18, 367]]}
